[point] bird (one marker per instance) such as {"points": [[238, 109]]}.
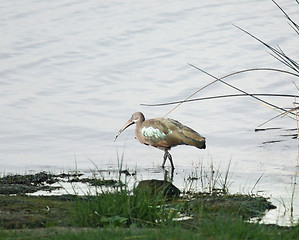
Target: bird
{"points": [[163, 133]]}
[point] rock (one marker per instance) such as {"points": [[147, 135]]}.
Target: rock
{"points": [[162, 187]]}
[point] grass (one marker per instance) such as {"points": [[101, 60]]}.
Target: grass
{"points": [[141, 214], [121, 212], [219, 227], [121, 209], [22, 212]]}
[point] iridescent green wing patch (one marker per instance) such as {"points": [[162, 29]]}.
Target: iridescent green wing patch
{"points": [[153, 134]]}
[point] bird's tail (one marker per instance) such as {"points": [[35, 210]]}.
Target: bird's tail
{"points": [[193, 138]]}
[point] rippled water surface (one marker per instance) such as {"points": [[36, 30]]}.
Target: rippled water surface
{"points": [[73, 72]]}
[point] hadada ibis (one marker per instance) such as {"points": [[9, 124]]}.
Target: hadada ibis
{"points": [[163, 133]]}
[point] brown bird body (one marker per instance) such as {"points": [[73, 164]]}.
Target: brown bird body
{"points": [[163, 133]]}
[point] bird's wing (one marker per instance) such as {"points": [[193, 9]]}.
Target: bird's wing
{"points": [[167, 133], [182, 134], [155, 132]]}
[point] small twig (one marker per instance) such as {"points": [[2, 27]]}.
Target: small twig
{"points": [[293, 198], [279, 54], [296, 85], [295, 25], [279, 115], [296, 119], [240, 90], [229, 75], [219, 96]]}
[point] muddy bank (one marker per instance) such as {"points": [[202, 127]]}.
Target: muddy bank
{"points": [[19, 210], [44, 181], [47, 211]]}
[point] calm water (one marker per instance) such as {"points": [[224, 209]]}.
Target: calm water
{"points": [[72, 72]]}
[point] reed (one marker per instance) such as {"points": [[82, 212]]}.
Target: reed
{"points": [[211, 181]]}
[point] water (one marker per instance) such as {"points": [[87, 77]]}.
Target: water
{"points": [[72, 73]]}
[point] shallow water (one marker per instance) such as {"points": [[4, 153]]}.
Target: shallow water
{"points": [[72, 72]]}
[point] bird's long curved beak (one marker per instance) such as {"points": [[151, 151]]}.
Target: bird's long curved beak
{"points": [[127, 124]]}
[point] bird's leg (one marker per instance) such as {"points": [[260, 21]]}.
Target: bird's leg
{"points": [[167, 155], [171, 174], [170, 159]]}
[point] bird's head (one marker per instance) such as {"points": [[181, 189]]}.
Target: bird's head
{"points": [[137, 117]]}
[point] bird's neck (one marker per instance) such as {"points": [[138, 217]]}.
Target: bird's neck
{"points": [[138, 124], [138, 127]]}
